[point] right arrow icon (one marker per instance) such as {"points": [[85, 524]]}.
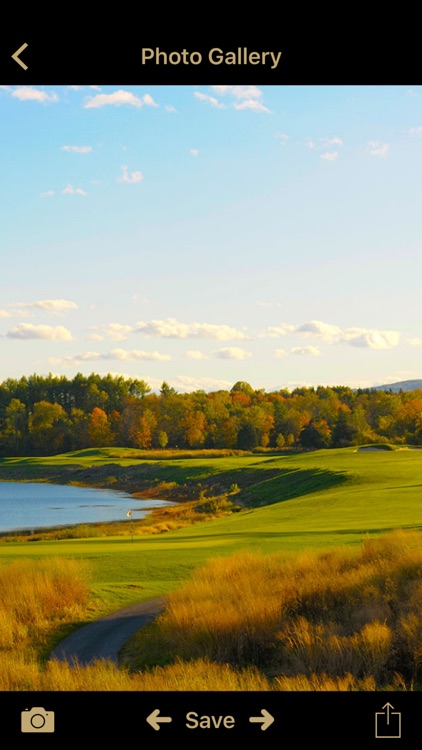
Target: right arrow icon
{"points": [[265, 719]]}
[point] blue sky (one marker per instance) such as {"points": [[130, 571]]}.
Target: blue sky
{"points": [[208, 234]]}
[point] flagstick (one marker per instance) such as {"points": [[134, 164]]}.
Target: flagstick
{"points": [[129, 515]]}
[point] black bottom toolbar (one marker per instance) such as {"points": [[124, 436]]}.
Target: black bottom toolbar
{"points": [[270, 719]]}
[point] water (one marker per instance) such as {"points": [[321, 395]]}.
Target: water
{"points": [[28, 505]]}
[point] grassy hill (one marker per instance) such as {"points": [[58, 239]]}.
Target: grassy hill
{"points": [[290, 504]]}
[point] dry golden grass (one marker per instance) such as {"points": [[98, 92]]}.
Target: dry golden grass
{"points": [[38, 596], [24, 673], [337, 620], [324, 617]]}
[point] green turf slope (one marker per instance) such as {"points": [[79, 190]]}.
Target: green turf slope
{"points": [[316, 499]]}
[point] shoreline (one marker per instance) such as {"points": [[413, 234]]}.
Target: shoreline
{"points": [[28, 533]]}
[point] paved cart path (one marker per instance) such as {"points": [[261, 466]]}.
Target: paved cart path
{"points": [[104, 638]]}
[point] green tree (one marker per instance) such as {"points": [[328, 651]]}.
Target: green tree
{"points": [[248, 437], [162, 439], [15, 427], [48, 425], [166, 389], [243, 387], [316, 434]]}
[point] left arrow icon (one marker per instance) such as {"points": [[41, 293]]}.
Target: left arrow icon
{"points": [[16, 54], [154, 719]]}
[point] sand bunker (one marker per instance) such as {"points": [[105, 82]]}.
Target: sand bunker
{"points": [[367, 448]]}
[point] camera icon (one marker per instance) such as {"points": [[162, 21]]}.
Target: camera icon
{"points": [[37, 720]]}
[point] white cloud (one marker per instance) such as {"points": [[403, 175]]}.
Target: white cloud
{"points": [[194, 151], [321, 330], [334, 141], [16, 311], [70, 190], [253, 104], [376, 148], [27, 331], [193, 354], [149, 101], [135, 354], [245, 97], [80, 88], [283, 138], [280, 353], [170, 108], [330, 155], [371, 338], [416, 131], [186, 384], [274, 332], [77, 149], [28, 93], [112, 331], [54, 305], [171, 328], [209, 99], [130, 177], [121, 355], [323, 143], [363, 337], [48, 194], [232, 352], [311, 351], [239, 92], [416, 342], [117, 98]]}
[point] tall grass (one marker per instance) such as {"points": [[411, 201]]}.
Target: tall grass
{"points": [[337, 620], [23, 673], [38, 596], [338, 615]]}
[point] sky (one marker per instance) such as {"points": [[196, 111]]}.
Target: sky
{"points": [[208, 234]]}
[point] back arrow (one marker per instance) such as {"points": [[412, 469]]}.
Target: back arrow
{"points": [[266, 719], [16, 54], [154, 719]]}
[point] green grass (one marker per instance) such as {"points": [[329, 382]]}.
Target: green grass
{"points": [[291, 503]]}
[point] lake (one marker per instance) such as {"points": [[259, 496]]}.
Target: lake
{"points": [[33, 505]]}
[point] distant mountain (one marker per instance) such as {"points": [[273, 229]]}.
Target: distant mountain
{"points": [[402, 385]]}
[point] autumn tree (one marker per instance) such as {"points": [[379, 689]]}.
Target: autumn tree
{"points": [[99, 430], [194, 425]]}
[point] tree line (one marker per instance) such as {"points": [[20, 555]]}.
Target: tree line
{"points": [[47, 415]]}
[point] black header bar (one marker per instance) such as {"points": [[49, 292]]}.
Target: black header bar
{"points": [[277, 56]]}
